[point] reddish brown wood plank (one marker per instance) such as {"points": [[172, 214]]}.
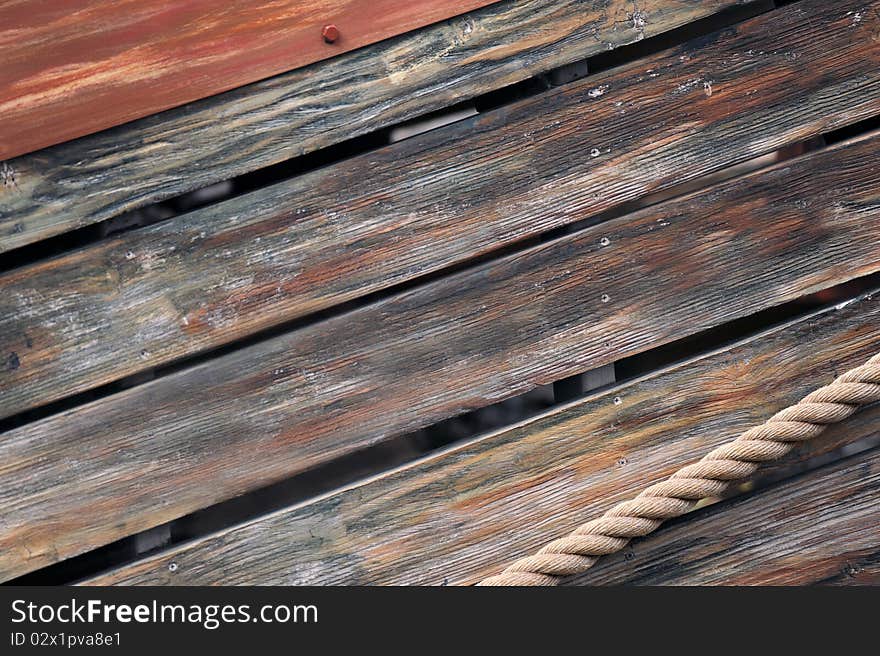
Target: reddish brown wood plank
{"points": [[70, 70], [464, 514], [93, 474], [209, 277]]}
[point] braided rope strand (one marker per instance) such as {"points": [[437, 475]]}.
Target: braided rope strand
{"points": [[730, 462]]}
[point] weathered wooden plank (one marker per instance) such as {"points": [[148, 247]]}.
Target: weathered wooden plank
{"points": [[819, 527], [204, 279], [144, 456], [102, 175], [465, 513], [67, 73]]}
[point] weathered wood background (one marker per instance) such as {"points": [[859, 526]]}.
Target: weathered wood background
{"points": [[412, 208], [152, 374], [320, 392]]}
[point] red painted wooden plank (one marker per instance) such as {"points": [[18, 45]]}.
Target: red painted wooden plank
{"points": [[70, 69]]}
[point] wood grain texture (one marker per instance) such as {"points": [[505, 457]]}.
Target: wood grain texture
{"points": [[459, 516], [206, 278], [70, 71], [821, 527], [103, 175], [121, 464]]}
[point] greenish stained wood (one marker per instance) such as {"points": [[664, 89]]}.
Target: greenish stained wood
{"points": [[207, 278], [820, 527], [129, 461], [102, 175], [465, 513]]}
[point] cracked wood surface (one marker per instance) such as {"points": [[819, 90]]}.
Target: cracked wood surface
{"points": [[204, 279], [129, 461]]}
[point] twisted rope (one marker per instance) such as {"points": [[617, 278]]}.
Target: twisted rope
{"points": [[730, 462]]}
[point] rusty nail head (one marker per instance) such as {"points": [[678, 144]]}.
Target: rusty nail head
{"points": [[330, 33]]}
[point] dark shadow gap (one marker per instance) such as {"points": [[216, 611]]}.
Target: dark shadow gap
{"points": [[408, 447], [369, 142], [199, 198], [852, 131], [733, 331], [698, 29]]}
